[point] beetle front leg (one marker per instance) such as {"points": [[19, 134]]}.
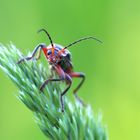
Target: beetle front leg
{"points": [[53, 80], [69, 81], [63, 77], [47, 81], [39, 54], [33, 54], [78, 75]]}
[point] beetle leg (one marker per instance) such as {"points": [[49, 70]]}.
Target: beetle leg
{"points": [[63, 77], [39, 54], [33, 53], [61, 74], [69, 82], [47, 81], [78, 75]]}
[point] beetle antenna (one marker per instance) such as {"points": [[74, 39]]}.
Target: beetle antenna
{"points": [[43, 30], [85, 38]]}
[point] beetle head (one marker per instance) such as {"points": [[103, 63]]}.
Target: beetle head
{"points": [[56, 53]]}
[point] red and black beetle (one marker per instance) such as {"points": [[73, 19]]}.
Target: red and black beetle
{"points": [[59, 58]]}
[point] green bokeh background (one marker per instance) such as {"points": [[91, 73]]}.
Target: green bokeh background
{"points": [[112, 69]]}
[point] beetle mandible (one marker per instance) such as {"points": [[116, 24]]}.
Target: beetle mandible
{"points": [[59, 58]]}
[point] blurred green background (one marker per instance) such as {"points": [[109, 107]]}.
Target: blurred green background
{"points": [[112, 68]]}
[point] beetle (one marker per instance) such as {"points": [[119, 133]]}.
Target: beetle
{"points": [[59, 58]]}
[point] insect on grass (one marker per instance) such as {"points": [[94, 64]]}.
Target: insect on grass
{"points": [[59, 58]]}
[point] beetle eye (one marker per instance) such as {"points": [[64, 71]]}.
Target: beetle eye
{"points": [[49, 52]]}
